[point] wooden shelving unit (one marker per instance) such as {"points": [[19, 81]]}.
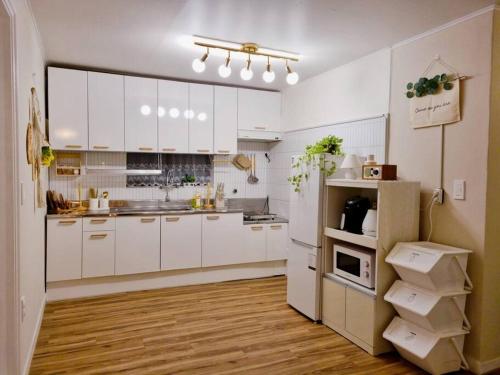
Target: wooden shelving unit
{"points": [[358, 313]]}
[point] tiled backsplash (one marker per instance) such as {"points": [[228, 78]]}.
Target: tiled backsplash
{"points": [[360, 137], [223, 171]]}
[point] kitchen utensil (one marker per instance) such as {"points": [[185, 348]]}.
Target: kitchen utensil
{"points": [[252, 179], [242, 162], [93, 204]]}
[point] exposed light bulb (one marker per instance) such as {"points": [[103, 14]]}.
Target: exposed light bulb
{"points": [[174, 112], [161, 111], [225, 69], [146, 110], [292, 77], [268, 76], [246, 73], [198, 66]]}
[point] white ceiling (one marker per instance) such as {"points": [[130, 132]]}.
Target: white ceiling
{"points": [[151, 37]]}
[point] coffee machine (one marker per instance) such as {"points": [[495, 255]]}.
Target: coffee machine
{"points": [[355, 210]]}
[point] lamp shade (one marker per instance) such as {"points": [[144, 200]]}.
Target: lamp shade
{"points": [[351, 161]]}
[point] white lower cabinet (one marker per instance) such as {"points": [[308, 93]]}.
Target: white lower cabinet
{"points": [[254, 243], [222, 239], [277, 239], [137, 244], [64, 249], [98, 256], [180, 242]]}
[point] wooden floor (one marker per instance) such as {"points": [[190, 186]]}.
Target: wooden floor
{"points": [[239, 327]]}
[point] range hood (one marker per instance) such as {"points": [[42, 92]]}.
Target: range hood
{"points": [[257, 135], [122, 172]]}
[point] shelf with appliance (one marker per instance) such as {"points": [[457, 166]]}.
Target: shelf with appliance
{"points": [[361, 277]]}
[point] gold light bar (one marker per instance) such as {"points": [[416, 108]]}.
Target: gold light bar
{"points": [[250, 48]]}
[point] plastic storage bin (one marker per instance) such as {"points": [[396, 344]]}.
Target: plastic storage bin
{"points": [[439, 312], [431, 266], [437, 353]]}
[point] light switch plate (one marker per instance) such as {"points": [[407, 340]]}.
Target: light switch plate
{"points": [[459, 189]]}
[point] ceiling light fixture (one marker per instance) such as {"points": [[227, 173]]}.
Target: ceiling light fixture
{"points": [[292, 77], [268, 76], [225, 69], [199, 64], [246, 72]]}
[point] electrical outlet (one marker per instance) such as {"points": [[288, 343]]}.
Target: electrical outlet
{"points": [[23, 308], [438, 193], [459, 189]]}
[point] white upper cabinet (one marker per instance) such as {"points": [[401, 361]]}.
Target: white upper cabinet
{"points": [[106, 112], [173, 123], [68, 109], [225, 120], [201, 118], [259, 110], [141, 119]]}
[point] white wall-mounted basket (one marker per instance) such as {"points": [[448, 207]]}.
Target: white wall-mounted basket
{"points": [[440, 312], [431, 266], [437, 353]]}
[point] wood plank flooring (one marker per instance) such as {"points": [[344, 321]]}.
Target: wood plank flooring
{"points": [[238, 327]]}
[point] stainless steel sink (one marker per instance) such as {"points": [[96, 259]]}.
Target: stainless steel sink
{"points": [[151, 206]]}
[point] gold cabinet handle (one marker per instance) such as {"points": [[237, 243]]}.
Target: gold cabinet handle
{"points": [[257, 228], [73, 146], [223, 151], [203, 150], [212, 217], [172, 219], [147, 219], [260, 127], [100, 147], [67, 221], [146, 148], [169, 149], [98, 236], [98, 221], [276, 226]]}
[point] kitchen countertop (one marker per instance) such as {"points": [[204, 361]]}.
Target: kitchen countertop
{"points": [[125, 211]]}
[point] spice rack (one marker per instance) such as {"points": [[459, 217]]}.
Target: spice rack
{"points": [[68, 164]]}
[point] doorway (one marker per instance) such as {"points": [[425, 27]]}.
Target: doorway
{"points": [[9, 317]]}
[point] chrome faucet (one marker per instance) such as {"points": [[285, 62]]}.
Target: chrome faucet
{"points": [[168, 184]]}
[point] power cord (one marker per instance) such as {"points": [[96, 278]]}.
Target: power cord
{"points": [[430, 205]]}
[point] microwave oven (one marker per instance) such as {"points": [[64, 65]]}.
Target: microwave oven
{"points": [[354, 264]]}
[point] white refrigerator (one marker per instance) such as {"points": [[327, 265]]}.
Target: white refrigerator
{"points": [[304, 247]]}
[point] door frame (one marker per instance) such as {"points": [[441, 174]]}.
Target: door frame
{"points": [[9, 219]]}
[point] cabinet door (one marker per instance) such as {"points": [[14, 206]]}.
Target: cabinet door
{"points": [[360, 314], [180, 242], [277, 239], [173, 124], [141, 119], [225, 120], [333, 304], [98, 258], [68, 119], [201, 118], [259, 110], [64, 249], [254, 243], [222, 243], [137, 244], [106, 112]]}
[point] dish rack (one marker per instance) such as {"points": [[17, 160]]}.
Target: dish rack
{"points": [[431, 300]]}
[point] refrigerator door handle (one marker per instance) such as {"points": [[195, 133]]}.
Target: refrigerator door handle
{"points": [[311, 268], [305, 244]]}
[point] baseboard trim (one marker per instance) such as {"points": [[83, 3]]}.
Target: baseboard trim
{"points": [[484, 367], [29, 357], [62, 290]]}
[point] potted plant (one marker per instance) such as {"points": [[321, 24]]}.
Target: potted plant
{"points": [[317, 155]]}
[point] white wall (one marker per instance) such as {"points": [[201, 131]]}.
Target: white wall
{"points": [[359, 89], [29, 60]]}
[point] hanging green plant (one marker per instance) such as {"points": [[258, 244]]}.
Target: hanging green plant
{"points": [[315, 156], [428, 86]]}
